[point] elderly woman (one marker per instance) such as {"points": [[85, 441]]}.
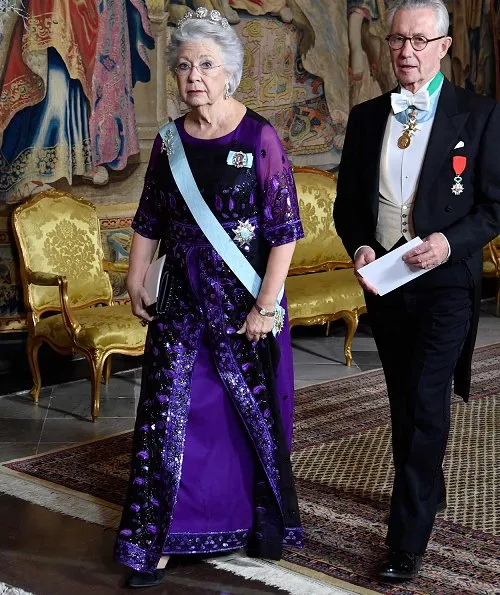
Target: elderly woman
{"points": [[211, 467]]}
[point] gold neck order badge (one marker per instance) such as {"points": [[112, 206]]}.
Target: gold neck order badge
{"points": [[409, 130]]}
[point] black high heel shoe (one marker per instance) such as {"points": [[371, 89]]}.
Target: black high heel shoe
{"points": [[137, 580]]}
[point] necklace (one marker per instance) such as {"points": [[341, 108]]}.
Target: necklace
{"points": [[409, 130]]}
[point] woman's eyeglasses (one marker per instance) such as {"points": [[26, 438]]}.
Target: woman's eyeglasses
{"points": [[206, 68], [418, 42]]}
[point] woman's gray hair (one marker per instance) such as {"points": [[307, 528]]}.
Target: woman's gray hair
{"points": [[439, 7], [225, 39]]}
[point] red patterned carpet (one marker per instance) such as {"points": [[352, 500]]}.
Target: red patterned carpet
{"points": [[343, 466]]}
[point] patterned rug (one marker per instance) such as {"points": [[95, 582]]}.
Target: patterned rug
{"points": [[342, 462]]}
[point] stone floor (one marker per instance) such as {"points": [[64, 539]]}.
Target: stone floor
{"points": [[49, 554]]}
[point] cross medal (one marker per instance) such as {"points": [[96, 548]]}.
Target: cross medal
{"points": [[409, 130]]}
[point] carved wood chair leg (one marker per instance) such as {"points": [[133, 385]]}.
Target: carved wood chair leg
{"points": [[351, 320], [32, 347], [96, 365]]}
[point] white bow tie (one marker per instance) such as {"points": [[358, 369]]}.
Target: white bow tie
{"points": [[402, 101]]}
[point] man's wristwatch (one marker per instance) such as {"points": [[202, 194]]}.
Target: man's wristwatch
{"points": [[263, 311]]}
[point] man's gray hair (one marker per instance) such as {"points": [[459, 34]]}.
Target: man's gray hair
{"points": [[225, 39], [439, 7]]}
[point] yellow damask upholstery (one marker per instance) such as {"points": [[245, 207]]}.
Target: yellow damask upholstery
{"points": [[491, 266], [67, 292], [321, 286], [321, 248]]}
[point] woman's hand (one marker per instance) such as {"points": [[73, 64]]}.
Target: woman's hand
{"points": [[141, 254], [140, 299], [256, 326]]}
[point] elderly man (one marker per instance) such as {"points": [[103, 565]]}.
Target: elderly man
{"points": [[422, 161]]}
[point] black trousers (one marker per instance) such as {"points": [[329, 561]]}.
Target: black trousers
{"points": [[419, 330]]}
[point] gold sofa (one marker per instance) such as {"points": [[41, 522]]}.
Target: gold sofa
{"points": [[321, 286], [67, 291]]}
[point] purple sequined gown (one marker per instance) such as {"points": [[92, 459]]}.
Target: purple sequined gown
{"points": [[204, 434]]}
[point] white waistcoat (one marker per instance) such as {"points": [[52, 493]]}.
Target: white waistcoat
{"points": [[399, 174]]}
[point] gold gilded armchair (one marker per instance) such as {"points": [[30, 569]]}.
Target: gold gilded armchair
{"points": [[67, 291], [321, 286], [491, 266]]}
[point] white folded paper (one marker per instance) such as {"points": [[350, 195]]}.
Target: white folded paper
{"points": [[152, 278], [391, 271]]}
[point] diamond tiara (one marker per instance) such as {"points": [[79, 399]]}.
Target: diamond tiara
{"points": [[203, 13]]}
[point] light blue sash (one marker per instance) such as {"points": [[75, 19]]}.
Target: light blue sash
{"points": [[208, 223]]}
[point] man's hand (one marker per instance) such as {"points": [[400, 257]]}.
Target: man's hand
{"points": [[431, 253], [364, 256]]}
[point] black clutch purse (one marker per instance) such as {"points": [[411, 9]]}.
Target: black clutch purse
{"points": [[158, 283]]}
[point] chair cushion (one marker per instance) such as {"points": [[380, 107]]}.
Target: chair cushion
{"points": [[102, 328], [320, 245], [325, 293]]}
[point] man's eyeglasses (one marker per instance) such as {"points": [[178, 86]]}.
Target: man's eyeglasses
{"points": [[206, 68], [418, 42]]}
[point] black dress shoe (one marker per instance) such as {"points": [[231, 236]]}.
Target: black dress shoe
{"points": [[400, 566], [138, 580]]}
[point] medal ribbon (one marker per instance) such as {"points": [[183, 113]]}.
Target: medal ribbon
{"points": [[459, 163], [434, 84]]}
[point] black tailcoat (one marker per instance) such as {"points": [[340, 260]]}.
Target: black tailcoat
{"points": [[468, 220]]}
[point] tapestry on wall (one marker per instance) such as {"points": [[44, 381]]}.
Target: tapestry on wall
{"points": [[66, 105], [472, 53]]}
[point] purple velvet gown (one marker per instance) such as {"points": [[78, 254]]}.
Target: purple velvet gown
{"points": [[205, 439]]}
